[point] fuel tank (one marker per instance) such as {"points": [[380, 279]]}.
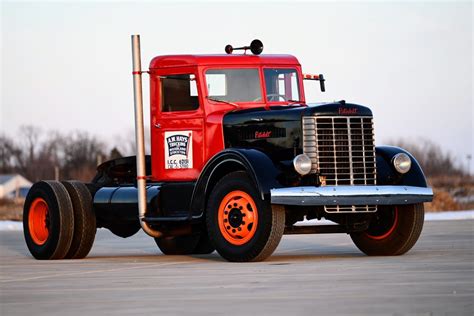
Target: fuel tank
{"points": [[121, 203]]}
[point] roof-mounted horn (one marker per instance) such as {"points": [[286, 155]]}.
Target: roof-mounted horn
{"points": [[256, 47]]}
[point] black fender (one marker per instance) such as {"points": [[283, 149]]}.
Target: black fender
{"points": [[257, 164], [119, 171], [386, 173]]}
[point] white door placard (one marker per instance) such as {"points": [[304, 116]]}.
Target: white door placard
{"points": [[179, 150]]}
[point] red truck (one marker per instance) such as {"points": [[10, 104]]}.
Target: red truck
{"points": [[238, 158]]}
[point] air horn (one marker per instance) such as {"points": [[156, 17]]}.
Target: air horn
{"points": [[256, 47]]}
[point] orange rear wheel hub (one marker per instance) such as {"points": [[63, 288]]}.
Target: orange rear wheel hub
{"points": [[38, 221], [238, 217]]}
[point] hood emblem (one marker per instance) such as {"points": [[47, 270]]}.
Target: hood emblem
{"points": [[347, 111], [267, 134]]}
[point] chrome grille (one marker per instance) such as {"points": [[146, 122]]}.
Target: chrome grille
{"points": [[342, 151]]}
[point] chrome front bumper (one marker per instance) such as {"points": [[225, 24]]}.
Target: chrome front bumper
{"points": [[351, 195]]}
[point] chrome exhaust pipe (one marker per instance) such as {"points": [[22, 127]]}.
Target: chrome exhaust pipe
{"points": [[140, 137]]}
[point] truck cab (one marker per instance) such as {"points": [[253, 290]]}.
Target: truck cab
{"points": [[191, 94], [238, 159]]}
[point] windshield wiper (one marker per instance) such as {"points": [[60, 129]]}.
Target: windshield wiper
{"points": [[295, 101], [222, 101]]}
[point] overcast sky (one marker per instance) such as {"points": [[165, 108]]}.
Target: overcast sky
{"points": [[66, 66]]}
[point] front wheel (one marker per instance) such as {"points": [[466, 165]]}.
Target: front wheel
{"points": [[393, 231], [241, 225]]}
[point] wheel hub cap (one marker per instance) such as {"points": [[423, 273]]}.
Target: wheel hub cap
{"points": [[38, 221], [237, 217]]}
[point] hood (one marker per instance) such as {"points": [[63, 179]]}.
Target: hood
{"points": [[277, 131]]}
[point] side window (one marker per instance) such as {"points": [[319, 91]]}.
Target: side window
{"points": [[179, 93]]}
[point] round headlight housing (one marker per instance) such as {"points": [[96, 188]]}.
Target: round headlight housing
{"points": [[302, 164], [402, 163]]}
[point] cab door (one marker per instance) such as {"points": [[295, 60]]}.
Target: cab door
{"points": [[177, 126]]}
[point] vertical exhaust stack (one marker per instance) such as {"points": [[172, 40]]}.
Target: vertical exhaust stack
{"points": [[140, 137]]}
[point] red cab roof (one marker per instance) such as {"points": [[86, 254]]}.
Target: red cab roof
{"points": [[221, 60]]}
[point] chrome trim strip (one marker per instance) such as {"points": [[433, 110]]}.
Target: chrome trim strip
{"points": [[351, 195]]}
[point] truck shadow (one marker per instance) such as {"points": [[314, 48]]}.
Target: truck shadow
{"points": [[282, 258]]}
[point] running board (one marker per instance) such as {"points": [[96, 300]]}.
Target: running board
{"points": [[171, 219]]}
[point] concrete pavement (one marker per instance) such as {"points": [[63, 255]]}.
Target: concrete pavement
{"points": [[308, 275]]}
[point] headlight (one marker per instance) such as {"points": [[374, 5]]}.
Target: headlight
{"points": [[402, 163], [302, 164]]}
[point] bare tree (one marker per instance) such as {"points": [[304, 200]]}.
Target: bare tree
{"points": [[7, 153], [80, 156], [432, 158]]}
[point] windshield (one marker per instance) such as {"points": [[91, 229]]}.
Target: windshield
{"points": [[281, 84], [234, 85]]}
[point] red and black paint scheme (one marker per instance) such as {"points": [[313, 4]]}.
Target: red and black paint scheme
{"points": [[236, 161]]}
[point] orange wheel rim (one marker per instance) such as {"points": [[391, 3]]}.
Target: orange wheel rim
{"points": [[38, 221], [389, 231], [238, 217]]}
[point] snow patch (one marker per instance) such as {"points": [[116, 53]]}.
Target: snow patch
{"points": [[447, 216], [441, 216], [10, 226]]}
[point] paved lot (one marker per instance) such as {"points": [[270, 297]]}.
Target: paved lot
{"points": [[308, 274]]}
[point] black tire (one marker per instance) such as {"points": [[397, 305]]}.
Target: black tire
{"points": [[204, 245], [178, 245], [197, 243], [393, 231], [84, 220], [48, 212], [269, 227]]}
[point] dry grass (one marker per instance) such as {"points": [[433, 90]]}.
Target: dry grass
{"points": [[442, 201], [452, 193], [11, 210]]}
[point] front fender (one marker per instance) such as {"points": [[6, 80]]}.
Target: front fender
{"points": [[386, 173], [258, 166]]}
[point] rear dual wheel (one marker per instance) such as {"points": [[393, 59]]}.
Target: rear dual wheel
{"points": [[84, 220], [58, 220]]}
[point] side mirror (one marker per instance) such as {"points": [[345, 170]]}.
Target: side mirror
{"points": [[321, 83], [319, 77]]}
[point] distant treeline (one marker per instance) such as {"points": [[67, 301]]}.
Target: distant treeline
{"points": [[434, 161], [37, 154]]}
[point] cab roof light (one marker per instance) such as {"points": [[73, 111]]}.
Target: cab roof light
{"points": [[319, 78]]}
